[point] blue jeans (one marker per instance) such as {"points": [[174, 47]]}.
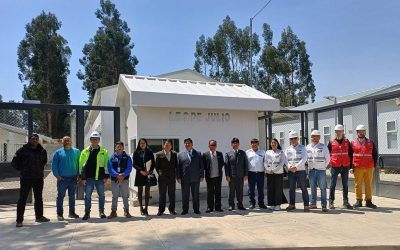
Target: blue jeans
{"points": [[90, 184], [317, 177], [67, 183], [301, 178], [344, 174], [253, 179]]}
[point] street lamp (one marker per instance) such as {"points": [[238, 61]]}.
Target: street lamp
{"points": [[251, 39]]}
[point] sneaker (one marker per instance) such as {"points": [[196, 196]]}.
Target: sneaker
{"points": [[324, 209], [19, 224], [127, 214], [231, 208], [112, 215], [277, 208], [60, 217], [102, 215], [306, 208], [209, 210], [86, 216], [271, 207], [291, 207], [252, 206], [313, 206], [347, 205], [42, 219], [370, 205], [73, 216], [357, 204]]}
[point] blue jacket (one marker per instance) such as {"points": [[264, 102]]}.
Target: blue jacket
{"points": [[66, 163], [124, 162]]}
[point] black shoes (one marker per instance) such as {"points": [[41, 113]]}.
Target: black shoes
{"points": [[184, 212], [73, 215], [242, 208], [112, 215], [252, 206], [262, 206], [209, 210], [219, 210], [160, 213], [86, 216], [291, 208], [370, 204], [197, 212], [347, 205], [19, 224], [42, 219], [102, 215], [60, 217], [172, 212], [357, 204], [324, 209]]}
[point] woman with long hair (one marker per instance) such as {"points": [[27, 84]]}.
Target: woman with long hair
{"points": [[143, 157], [274, 161]]}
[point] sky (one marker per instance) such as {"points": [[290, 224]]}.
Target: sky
{"points": [[354, 45]]}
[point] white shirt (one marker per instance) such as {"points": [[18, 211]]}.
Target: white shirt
{"points": [[274, 161], [256, 160], [296, 156], [318, 156]]}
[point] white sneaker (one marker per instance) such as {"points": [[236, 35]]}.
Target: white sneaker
{"points": [[277, 208]]}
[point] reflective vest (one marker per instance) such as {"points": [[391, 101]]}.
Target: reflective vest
{"points": [[362, 154], [340, 153], [102, 161]]}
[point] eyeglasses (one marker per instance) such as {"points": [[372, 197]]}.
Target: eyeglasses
{"points": [[94, 139]]}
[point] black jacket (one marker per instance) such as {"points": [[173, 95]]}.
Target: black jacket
{"points": [[236, 165], [207, 163], [166, 169], [139, 165], [190, 170], [30, 162]]}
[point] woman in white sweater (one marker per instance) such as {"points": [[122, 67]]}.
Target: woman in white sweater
{"points": [[274, 161]]}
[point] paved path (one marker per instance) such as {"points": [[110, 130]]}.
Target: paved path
{"points": [[249, 229]]}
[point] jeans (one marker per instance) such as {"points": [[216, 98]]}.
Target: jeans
{"points": [[344, 174], [317, 177], [90, 184], [26, 186], [67, 183], [294, 178], [256, 178]]}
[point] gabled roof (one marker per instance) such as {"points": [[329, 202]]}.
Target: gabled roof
{"points": [[187, 74], [166, 92]]}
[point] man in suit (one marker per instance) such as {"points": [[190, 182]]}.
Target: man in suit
{"points": [[190, 172], [213, 161], [166, 162], [236, 167]]}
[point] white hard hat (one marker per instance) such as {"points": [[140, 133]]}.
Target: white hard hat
{"points": [[360, 127], [293, 134], [339, 127], [315, 132], [95, 134]]}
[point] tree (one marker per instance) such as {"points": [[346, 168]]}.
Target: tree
{"points": [[108, 53], [43, 57], [226, 56]]}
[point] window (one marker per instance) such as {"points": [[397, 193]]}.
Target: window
{"points": [[391, 134], [157, 144], [327, 134], [282, 139], [133, 145]]}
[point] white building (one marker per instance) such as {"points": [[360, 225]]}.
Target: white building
{"points": [[179, 105]]}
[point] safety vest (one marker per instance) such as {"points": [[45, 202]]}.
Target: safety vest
{"points": [[362, 154], [340, 153], [102, 160]]}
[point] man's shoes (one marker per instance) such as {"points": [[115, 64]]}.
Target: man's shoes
{"points": [[219, 210], [209, 210], [127, 214], [252, 206], [160, 213], [262, 206], [197, 212], [112, 215], [231, 208], [277, 208], [306, 209], [370, 204], [146, 212], [332, 205], [102, 215], [60, 217], [313, 206], [42, 219], [357, 204], [172, 212], [73, 215], [142, 211], [291, 207], [184, 212], [347, 205], [19, 224], [86, 216], [242, 208], [324, 209]]}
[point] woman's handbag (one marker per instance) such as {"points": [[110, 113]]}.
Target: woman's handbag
{"points": [[151, 180]]}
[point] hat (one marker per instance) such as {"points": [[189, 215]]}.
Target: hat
{"points": [[235, 140], [360, 127], [95, 134], [315, 132], [293, 134], [339, 127]]}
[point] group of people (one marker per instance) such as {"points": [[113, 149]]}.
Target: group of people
{"points": [[93, 166]]}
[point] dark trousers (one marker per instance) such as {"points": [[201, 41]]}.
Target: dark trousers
{"points": [[67, 183], [146, 196], [275, 194], [301, 178], [236, 188], [187, 188], [344, 174], [165, 186], [256, 178], [26, 186], [214, 193]]}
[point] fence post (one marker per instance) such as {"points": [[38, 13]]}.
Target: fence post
{"points": [[302, 127], [30, 122], [117, 127], [315, 119], [269, 128], [80, 144], [306, 127]]}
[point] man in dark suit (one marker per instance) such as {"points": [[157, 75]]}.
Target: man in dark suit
{"points": [[190, 172], [213, 161], [166, 162], [236, 167]]}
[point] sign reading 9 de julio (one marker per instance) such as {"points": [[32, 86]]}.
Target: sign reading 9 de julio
{"points": [[179, 116]]}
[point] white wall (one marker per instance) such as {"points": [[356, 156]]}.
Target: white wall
{"points": [[387, 111]]}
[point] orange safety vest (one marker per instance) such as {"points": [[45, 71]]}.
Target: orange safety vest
{"points": [[340, 153], [362, 155]]}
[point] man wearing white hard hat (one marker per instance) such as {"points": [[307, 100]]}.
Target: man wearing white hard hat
{"points": [[296, 158], [93, 172], [365, 156], [341, 155], [318, 160]]}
